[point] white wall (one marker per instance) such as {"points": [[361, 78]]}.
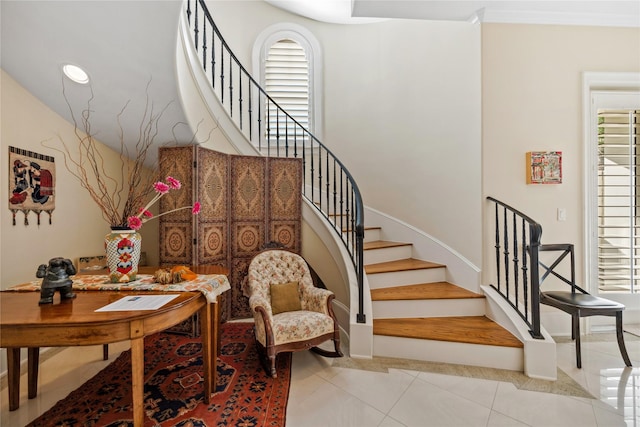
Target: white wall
{"points": [[532, 101], [401, 110], [77, 227]]}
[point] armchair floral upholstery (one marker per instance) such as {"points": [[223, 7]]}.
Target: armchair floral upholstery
{"points": [[295, 330]]}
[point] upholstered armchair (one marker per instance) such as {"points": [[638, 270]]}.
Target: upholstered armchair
{"points": [[290, 313]]}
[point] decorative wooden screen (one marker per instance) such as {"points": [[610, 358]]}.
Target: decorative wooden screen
{"points": [[247, 202]]}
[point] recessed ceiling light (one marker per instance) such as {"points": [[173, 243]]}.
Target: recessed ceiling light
{"points": [[76, 74]]}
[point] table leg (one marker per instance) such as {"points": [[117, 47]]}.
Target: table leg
{"points": [[137, 377], [215, 339], [216, 327], [32, 371], [208, 363], [13, 367]]}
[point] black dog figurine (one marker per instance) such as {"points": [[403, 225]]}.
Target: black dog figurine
{"points": [[56, 277]]}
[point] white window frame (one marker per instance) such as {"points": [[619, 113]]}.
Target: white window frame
{"points": [[312, 48], [593, 82]]}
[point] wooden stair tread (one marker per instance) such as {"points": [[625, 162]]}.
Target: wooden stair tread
{"points": [[348, 229], [428, 291], [380, 244], [460, 329], [400, 265]]}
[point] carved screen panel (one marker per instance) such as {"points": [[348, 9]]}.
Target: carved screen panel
{"points": [[285, 202], [176, 229], [213, 221]]}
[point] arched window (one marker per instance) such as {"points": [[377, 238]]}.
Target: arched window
{"points": [[286, 80], [287, 60]]}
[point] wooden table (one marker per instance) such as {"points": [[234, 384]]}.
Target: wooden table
{"points": [[24, 323]]}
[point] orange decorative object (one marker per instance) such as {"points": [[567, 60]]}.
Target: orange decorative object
{"points": [[184, 272]]}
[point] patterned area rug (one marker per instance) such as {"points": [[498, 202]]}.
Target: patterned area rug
{"points": [[173, 395]]}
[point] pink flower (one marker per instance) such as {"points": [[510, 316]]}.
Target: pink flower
{"points": [[161, 187], [145, 213], [173, 183], [134, 222]]}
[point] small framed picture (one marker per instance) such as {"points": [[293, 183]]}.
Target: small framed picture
{"points": [[544, 167]]}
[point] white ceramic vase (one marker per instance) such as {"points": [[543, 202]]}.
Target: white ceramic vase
{"points": [[123, 247]]}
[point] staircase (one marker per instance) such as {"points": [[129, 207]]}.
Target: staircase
{"points": [[418, 315]]}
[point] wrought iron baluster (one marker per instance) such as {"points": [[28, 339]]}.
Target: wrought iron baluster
{"points": [[312, 170], [213, 57], [335, 192], [304, 163], [320, 176], [497, 246], [196, 30], [525, 284], [260, 136], [230, 86], [268, 124], [286, 134], [342, 194], [222, 75], [506, 251], [204, 45], [277, 131], [350, 219], [327, 182], [295, 142], [240, 94], [515, 258], [250, 114]]}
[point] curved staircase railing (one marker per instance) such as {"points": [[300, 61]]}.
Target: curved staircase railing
{"points": [[328, 185]]}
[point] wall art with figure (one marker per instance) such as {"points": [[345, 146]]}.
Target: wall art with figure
{"points": [[31, 184]]}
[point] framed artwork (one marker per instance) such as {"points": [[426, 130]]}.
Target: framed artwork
{"points": [[31, 183], [544, 167]]}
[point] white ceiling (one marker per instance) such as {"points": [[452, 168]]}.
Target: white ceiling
{"points": [[125, 46], [128, 45], [573, 12]]}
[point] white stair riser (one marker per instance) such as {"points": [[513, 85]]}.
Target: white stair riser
{"points": [[406, 277], [449, 352], [428, 308], [372, 235], [374, 256]]}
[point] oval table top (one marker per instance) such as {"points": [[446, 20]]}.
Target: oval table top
{"points": [[21, 308]]}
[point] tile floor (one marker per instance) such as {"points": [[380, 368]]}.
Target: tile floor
{"points": [[322, 395]]}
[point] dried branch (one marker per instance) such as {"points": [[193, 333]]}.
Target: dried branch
{"points": [[117, 197]]}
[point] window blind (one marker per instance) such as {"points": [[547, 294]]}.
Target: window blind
{"points": [[618, 201], [287, 83]]}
